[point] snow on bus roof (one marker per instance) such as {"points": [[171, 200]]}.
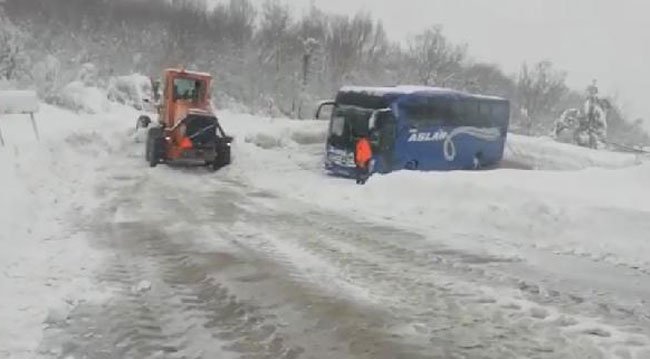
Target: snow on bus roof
{"points": [[409, 90], [395, 90]]}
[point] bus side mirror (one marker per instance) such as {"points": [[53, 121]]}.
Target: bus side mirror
{"points": [[374, 118], [320, 108], [376, 125], [372, 122]]}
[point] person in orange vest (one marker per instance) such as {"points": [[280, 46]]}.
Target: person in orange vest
{"points": [[362, 157]]}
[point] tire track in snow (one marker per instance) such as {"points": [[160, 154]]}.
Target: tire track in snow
{"points": [[372, 257], [560, 316], [338, 309], [394, 288], [184, 313], [335, 316], [432, 297]]}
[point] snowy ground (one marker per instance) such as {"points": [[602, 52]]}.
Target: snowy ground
{"points": [[546, 154], [578, 205], [45, 261], [269, 257]]}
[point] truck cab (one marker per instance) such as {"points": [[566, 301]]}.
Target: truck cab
{"points": [[188, 130]]}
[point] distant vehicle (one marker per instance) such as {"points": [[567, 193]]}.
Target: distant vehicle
{"points": [[188, 132], [416, 128]]}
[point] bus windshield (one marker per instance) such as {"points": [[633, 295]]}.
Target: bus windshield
{"points": [[348, 123]]}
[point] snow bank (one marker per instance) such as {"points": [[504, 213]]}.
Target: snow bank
{"points": [[134, 90], [521, 151], [543, 153], [270, 133], [16, 102], [600, 213], [81, 98], [46, 265]]}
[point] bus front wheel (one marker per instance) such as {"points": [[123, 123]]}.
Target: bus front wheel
{"points": [[478, 161], [412, 165]]}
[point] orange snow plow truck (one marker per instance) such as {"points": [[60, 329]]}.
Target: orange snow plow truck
{"points": [[188, 132]]}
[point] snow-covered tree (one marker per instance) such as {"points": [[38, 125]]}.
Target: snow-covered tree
{"points": [[587, 125], [593, 130], [231, 38], [46, 74], [88, 74]]}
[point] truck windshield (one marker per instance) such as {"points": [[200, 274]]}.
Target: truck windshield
{"points": [[187, 89], [348, 123]]}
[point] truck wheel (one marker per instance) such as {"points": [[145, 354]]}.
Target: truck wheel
{"points": [[154, 147], [222, 160], [225, 156], [147, 149], [143, 122]]}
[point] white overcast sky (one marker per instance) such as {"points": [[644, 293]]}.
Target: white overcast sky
{"points": [[604, 39]]}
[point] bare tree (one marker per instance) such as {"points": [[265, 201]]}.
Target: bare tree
{"points": [[352, 42], [487, 79], [624, 132], [274, 32], [258, 55], [240, 21], [434, 58], [539, 90], [312, 30], [13, 59]]}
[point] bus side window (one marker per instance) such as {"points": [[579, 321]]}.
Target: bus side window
{"points": [[486, 118], [500, 115], [471, 113], [458, 115], [423, 115]]}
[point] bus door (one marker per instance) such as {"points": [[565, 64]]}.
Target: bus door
{"points": [[383, 134]]}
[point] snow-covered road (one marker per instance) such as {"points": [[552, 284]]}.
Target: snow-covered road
{"points": [[270, 259], [226, 270]]}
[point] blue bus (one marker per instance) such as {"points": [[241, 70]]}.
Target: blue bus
{"points": [[416, 128]]}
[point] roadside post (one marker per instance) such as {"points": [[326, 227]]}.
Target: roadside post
{"points": [[19, 103]]}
